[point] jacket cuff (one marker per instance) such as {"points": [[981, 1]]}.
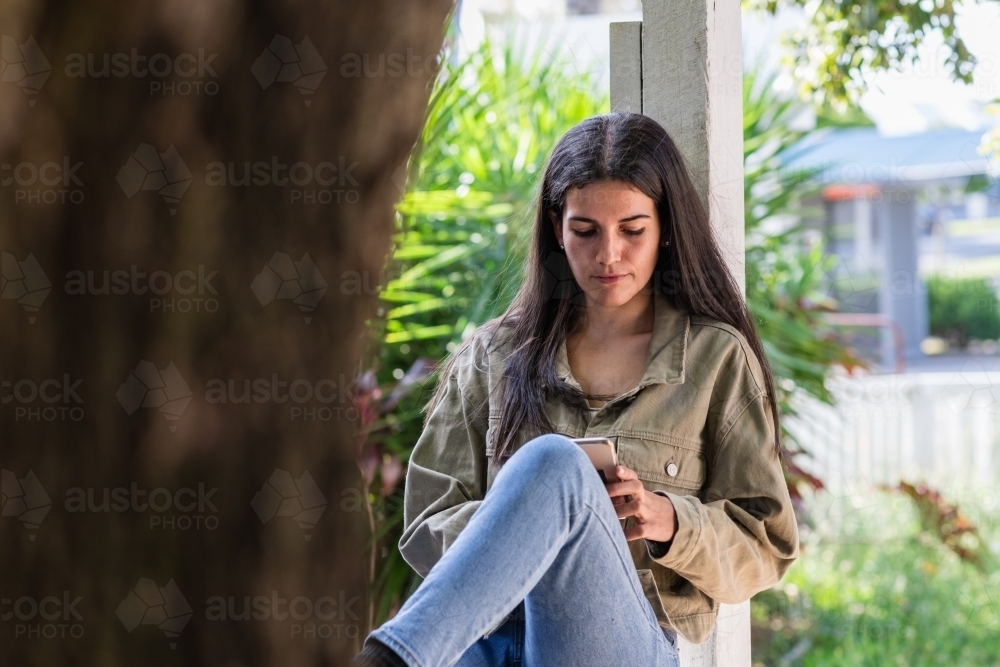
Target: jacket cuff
{"points": [[686, 537]]}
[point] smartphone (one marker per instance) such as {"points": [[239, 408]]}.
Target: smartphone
{"points": [[601, 452]]}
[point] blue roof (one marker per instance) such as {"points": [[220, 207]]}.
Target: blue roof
{"points": [[862, 155]]}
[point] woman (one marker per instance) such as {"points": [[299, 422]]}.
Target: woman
{"points": [[629, 326]]}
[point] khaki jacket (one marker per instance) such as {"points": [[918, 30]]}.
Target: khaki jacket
{"points": [[697, 429]]}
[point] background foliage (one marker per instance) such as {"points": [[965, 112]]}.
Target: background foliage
{"points": [[886, 591], [786, 277], [842, 43], [961, 309]]}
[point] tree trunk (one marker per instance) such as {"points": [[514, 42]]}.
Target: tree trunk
{"points": [[195, 213]]}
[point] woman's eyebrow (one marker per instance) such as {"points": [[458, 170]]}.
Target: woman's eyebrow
{"points": [[580, 218]]}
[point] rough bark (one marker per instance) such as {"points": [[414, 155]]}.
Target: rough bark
{"points": [[119, 436]]}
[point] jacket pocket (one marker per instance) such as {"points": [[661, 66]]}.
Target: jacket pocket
{"points": [[664, 462]]}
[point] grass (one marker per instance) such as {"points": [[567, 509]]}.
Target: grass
{"points": [[882, 592]]}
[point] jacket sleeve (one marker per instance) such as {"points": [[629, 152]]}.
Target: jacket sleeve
{"points": [[741, 535], [445, 478]]}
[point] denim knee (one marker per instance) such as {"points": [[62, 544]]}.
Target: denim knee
{"points": [[554, 451]]}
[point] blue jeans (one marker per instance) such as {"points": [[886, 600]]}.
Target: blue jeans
{"points": [[547, 545]]}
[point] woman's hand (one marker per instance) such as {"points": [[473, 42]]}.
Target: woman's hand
{"points": [[654, 514]]}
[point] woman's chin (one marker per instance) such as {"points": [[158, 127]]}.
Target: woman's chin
{"points": [[610, 296]]}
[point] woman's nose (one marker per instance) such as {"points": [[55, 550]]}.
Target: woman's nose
{"points": [[608, 249]]}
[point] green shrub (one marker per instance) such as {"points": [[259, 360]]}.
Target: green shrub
{"points": [[889, 594], [963, 309]]}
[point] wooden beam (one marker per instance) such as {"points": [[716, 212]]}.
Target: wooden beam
{"points": [[692, 84], [683, 67], [626, 66]]}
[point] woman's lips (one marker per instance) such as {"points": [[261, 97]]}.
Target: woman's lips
{"points": [[607, 280]]}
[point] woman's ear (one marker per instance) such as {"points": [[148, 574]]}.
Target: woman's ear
{"points": [[665, 237], [556, 226]]}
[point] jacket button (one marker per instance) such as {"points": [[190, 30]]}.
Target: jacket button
{"points": [[671, 469]]}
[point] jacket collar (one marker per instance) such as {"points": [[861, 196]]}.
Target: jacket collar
{"points": [[667, 347]]}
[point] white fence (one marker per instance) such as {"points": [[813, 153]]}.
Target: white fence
{"points": [[729, 645], [939, 428]]}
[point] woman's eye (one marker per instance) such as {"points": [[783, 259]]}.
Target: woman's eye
{"points": [[634, 232], [590, 232]]}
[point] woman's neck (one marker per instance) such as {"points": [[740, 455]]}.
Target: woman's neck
{"points": [[602, 323]]}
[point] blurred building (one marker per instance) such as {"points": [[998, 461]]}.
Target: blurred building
{"points": [[887, 202]]}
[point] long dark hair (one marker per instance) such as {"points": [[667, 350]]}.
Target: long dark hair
{"points": [[633, 149]]}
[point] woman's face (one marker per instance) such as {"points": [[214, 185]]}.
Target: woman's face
{"points": [[611, 233]]}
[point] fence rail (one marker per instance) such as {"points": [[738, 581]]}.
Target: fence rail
{"points": [[938, 428]]}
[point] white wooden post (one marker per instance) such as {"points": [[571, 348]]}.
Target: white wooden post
{"points": [[692, 84], [626, 66], [682, 65]]}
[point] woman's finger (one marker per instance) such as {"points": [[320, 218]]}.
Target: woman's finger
{"points": [[624, 488], [634, 532], [628, 508], [625, 473]]}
